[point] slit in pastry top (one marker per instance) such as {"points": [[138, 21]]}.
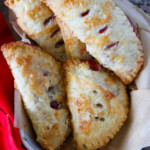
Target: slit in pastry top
{"points": [[38, 22], [106, 31], [42, 88]]}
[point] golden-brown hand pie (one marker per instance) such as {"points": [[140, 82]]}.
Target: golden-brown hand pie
{"points": [[37, 21], [98, 103], [40, 81], [106, 31]]}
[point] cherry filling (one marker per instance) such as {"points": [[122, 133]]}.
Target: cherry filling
{"points": [[59, 44], [111, 45], [93, 65], [54, 17], [54, 104], [85, 13], [103, 29], [48, 19], [27, 43], [100, 118], [99, 105], [55, 32], [134, 28], [45, 74], [50, 89], [95, 92]]}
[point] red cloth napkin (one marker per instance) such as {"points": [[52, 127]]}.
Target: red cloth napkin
{"points": [[9, 135]]}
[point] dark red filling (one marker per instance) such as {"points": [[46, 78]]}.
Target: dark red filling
{"points": [[134, 28], [50, 88], [48, 19], [112, 45], [59, 44], [55, 32], [95, 92], [96, 117], [99, 105], [45, 74], [54, 104], [103, 29], [93, 65], [27, 43], [100, 118], [85, 13]]}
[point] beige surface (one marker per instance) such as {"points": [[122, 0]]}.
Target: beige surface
{"points": [[136, 133]]}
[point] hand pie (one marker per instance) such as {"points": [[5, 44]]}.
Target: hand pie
{"points": [[75, 49], [106, 31], [98, 103], [42, 88], [37, 21]]}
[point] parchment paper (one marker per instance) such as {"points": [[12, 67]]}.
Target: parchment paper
{"points": [[135, 134]]}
